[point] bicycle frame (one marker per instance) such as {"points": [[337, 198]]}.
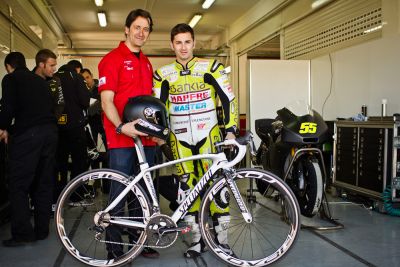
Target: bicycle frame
{"points": [[219, 162]]}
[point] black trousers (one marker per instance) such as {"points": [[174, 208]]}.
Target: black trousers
{"points": [[31, 169], [71, 142]]}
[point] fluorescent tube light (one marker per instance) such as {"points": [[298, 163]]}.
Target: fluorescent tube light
{"points": [[373, 29], [98, 2], [102, 19], [207, 4], [318, 3], [195, 20]]}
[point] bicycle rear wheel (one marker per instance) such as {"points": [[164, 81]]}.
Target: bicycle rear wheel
{"points": [[270, 234], [75, 221]]}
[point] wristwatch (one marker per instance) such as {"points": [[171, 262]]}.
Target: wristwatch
{"points": [[118, 130]]}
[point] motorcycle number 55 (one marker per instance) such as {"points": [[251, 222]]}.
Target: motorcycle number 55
{"points": [[308, 127]]}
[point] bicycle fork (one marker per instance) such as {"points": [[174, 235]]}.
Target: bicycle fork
{"points": [[236, 194]]}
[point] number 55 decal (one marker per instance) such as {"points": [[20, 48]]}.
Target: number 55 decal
{"points": [[308, 127]]}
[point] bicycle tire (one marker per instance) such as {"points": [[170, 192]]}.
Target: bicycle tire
{"points": [[274, 227], [75, 225]]}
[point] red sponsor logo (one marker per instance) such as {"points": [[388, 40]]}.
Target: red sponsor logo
{"points": [[201, 126], [190, 97]]}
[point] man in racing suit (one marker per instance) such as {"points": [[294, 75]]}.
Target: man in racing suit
{"points": [[189, 87]]}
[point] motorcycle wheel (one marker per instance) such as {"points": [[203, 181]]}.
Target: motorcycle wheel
{"points": [[310, 197]]}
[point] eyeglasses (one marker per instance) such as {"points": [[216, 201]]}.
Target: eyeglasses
{"points": [[139, 29]]}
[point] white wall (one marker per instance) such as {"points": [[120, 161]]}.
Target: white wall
{"points": [[362, 74], [273, 85]]}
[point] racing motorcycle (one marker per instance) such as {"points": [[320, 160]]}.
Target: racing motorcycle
{"points": [[290, 148]]}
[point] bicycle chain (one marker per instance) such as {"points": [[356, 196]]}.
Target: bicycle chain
{"points": [[133, 245], [130, 244]]}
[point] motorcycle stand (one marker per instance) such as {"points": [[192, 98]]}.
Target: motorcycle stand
{"points": [[325, 214], [324, 210]]}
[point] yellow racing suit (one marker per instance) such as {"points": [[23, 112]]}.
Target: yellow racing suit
{"points": [[190, 94]]}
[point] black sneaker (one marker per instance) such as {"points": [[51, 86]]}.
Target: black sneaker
{"points": [[150, 253], [195, 249]]}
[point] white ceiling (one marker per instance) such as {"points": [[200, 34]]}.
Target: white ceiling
{"points": [[79, 21]]}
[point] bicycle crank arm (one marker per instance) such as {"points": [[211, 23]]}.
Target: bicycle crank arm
{"points": [[183, 230]]}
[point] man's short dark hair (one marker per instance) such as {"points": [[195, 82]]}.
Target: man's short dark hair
{"points": [[15, 60], [134, 14], [75, 64], [43, 55], [181, 28], [86, 70]]}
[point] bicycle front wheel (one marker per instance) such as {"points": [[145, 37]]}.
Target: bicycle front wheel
{"points": [[270, 234], [80, 205]]}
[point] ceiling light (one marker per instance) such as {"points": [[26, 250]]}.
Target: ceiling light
{"points": [[102, 19], [207, 4], [318, 3], [373, 29], [195, 20], [98, 2]]}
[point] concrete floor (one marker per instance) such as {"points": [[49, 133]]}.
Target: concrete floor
{"points": [[369, 238]]}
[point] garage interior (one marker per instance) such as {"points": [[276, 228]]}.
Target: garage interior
{"points": [[338, 56]]}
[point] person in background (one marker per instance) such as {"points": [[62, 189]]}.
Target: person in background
{"points": [[95, 110], [76, 65], [194, 123], [26, 98], [71, 124], [54, 82], [125, 72]]}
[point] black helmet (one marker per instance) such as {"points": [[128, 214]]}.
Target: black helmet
{"points": [[152, 114]]}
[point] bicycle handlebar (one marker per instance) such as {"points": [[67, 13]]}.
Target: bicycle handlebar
{"points": [[240, 143]]}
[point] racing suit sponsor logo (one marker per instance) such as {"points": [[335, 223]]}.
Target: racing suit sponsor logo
{"points": [[167, 71], [102, 81], [173, 78], [190, 106], [201, 119], [179, 131], [201, 66], [201, 126], [170, 73], [189, 97], [181, 122], [225, 86], [187, 87], [197, 74], [185, 72]]}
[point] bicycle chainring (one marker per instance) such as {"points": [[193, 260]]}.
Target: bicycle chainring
{"points": [[155, 236]]}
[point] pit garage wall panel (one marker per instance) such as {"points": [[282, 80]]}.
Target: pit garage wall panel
{"points": [[338, 25], [23, 44], [4, 42], [273, 85]]}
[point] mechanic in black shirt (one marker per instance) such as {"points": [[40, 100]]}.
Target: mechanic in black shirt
{"points": [[71, 124], [94, 115], [27, 99]]}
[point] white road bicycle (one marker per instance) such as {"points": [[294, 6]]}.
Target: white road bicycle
{"points": [[261, 229]]}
